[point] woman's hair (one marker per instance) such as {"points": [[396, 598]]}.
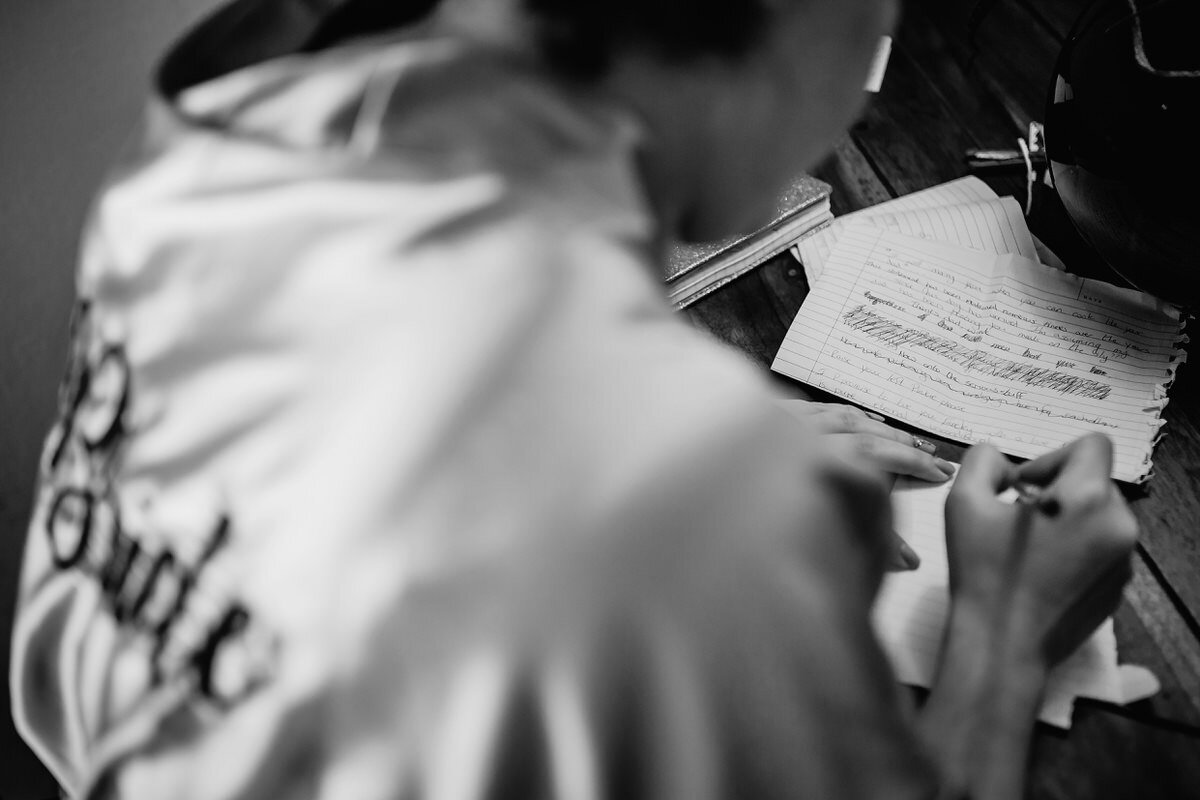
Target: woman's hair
{"points": [[365, 17], [580, 37]]}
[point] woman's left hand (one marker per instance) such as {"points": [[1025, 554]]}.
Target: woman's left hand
{"points": [[865, 437]]}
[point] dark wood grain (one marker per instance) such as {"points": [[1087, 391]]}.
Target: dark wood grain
{"points": [[1153, 634], [944, 93], [1169, 512], [855, 184], [908, 134], [1110, 754], [1058, 18], [1011, 52]]}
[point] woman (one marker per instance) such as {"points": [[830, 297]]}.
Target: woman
{"points": [[384, 470]]}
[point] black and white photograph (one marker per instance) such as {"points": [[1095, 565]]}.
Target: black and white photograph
{"points": [[599, 400]]}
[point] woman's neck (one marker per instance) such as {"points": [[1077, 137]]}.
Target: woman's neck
{"points": [[674, 103]]}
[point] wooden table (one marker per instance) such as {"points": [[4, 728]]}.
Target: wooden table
{"points": [[946, 91]]}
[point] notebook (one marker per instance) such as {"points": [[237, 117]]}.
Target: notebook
{"points": [[694, 270], [980, 347]]}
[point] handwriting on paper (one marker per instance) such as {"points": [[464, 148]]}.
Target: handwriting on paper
{"points": [[980, 347], [964, 211], [973, 359]]}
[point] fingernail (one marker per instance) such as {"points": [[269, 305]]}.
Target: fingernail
{"points": [[901, 557], [924, 445], [945, 466], [874, 416], [936, 476]]}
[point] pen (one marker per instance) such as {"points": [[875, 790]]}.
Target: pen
{"points": [[1028, 502], [1033, 495], [1001, 159], [1028, 493]]}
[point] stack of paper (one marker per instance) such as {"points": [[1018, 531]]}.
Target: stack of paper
{"points": [[971, 339], [965, 211]]}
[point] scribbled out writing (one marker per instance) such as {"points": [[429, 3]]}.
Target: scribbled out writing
{"points": [[865, 321]]}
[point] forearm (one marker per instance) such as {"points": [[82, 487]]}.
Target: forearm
{"points": [[978, 720]]}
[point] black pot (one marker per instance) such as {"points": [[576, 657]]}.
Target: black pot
{"points": [[1123, 140]]}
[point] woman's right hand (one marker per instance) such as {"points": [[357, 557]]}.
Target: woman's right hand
{"points": [[1045, 574]]}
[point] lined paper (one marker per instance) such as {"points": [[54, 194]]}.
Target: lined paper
{"points": [[968, 189], [979, 347], [910, 613], [995, 225], [963, 190]]}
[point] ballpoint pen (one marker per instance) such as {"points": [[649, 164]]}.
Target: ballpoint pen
{"points": [[1033, 495]]}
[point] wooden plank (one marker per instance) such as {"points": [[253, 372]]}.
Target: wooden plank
{"points": [[1169, 511], [1152, 633], [1011, 51], [855, 184], [1056, 16], [753, 312], [908, 134], [917, 131], [973, 102], [1108, 755]]}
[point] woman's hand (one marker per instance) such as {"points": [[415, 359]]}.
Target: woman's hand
{"points": [[1041, 574], [1029, 582], [865, 437]]}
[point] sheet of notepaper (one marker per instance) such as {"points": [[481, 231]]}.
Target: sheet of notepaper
{"points": [[995, 225], [979, 347], [815, 248], [911, 609]]}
